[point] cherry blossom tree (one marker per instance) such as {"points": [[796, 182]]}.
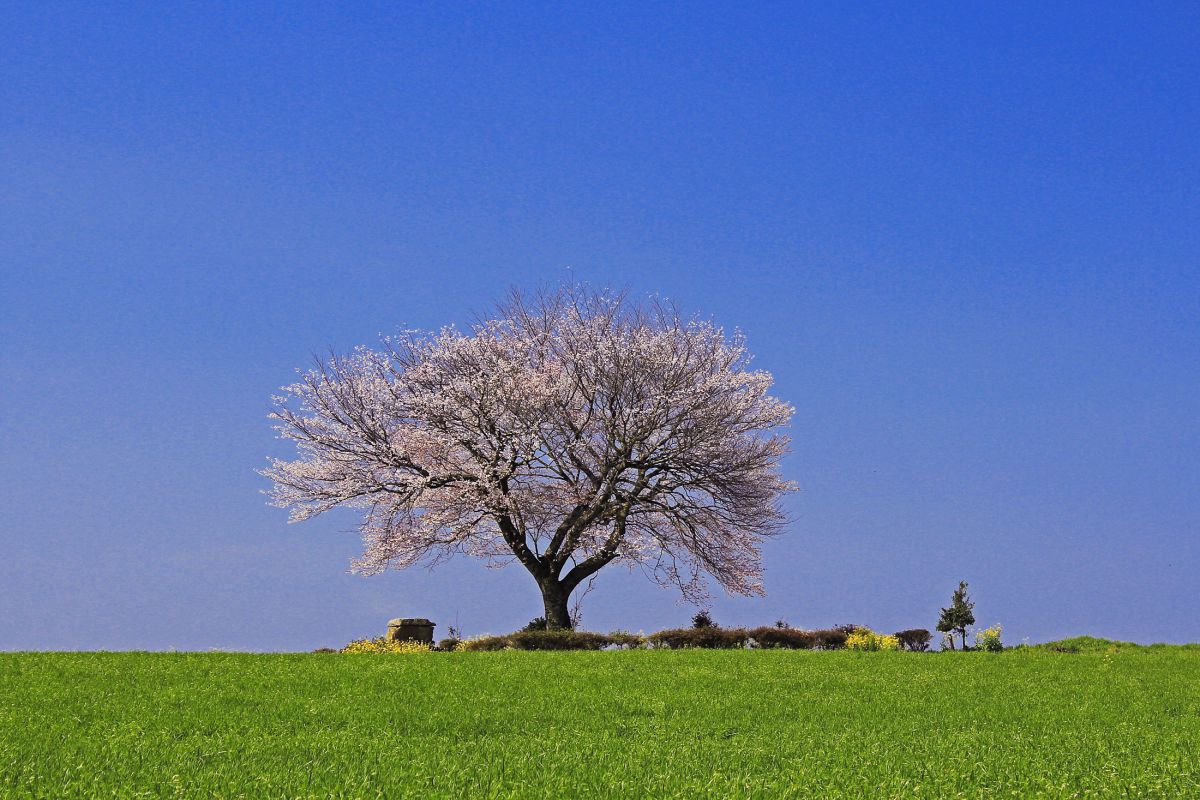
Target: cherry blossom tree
{"points": [[572, 430]]}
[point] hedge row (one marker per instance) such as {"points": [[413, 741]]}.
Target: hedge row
{"points": [[552, 640], [712, 638], [736, 638]]}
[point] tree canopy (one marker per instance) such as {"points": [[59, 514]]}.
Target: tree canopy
{"points": [[958, 615], [571, 430]]}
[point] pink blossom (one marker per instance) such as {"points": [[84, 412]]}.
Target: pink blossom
{"points": [[571, 431]]}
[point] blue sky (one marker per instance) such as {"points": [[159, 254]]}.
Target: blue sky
{"points": [[963, 238]]}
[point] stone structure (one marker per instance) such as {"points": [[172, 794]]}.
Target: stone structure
{"points": [[413, 629]]}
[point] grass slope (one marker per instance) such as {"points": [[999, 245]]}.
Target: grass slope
{"points": [[1093, 644], [625, 724]]}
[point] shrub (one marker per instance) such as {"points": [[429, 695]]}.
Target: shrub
{"points": [[558, 640], [710, 638], [324, 650], [785, 638], [915, 639], [988, 639], [542, 640], [861, 639], [536, 624], [449, 644], [626, 639], [383, 645], [733, 638], [831, 638], [483, 644], [867, 639], [703, 620]]}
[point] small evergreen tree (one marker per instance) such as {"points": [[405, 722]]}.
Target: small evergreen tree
{"points": [[958, 616], [703, 620]]}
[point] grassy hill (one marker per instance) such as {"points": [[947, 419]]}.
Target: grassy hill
{"points": [[1096, 644], [1027, 723]]}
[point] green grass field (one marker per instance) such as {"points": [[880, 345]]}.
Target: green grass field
{"points": [[610, 724]]}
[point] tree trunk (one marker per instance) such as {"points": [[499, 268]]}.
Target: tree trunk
{"points": [[554, 598]]}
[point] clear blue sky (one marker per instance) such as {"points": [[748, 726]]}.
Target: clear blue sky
{"points": [[964, 240]]}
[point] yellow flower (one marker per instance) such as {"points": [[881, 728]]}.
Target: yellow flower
{"points": [[381, 645], [866, 639]]}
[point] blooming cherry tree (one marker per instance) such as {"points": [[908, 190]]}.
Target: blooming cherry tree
{"points": [[571, 431]]}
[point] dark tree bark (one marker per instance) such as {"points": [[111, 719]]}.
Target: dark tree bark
{"points": [[554, 598]]}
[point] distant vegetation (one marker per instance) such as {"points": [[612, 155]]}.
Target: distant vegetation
{"points": [[714, 637], [705, 633], [706, 636]]}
